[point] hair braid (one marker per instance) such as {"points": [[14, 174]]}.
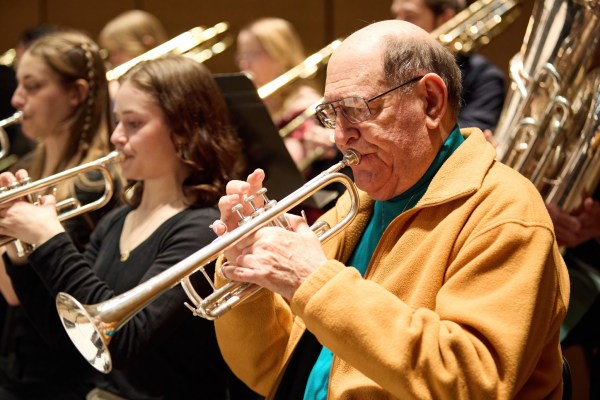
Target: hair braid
{"points": [[91, 79]]}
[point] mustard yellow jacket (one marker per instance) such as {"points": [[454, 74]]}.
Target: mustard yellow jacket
{"points": [[463, 297]]}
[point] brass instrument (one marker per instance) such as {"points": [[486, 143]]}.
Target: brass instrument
{"points": [[574, 164], [187, 43], [476, 25], [16, 118], [8, 57], [304, 70], [69, 207], [540, 129], [91, 327]]}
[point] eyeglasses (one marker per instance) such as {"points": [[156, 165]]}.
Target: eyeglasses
{"points": [[356, 109]]}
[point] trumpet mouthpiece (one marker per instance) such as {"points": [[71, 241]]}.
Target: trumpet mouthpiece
{"points": [[352, 157]]}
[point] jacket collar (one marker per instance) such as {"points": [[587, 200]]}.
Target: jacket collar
{"points": [[463, 173]]}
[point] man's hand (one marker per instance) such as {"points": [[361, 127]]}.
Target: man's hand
{"points": [[277, 259], [578, 226]]}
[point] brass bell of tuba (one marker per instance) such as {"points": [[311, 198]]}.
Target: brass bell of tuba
{"points": [[544, 131]]}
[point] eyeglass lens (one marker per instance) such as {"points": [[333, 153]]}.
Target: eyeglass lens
{"points": [[355, 109]]}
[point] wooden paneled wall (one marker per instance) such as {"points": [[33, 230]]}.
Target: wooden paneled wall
{"points": [[318, 21]]}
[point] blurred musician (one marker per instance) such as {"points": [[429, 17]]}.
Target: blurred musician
{"points": [[179, 152], [63, 94], [483, 83], [267, 48], [128, 35], [19, 144]]}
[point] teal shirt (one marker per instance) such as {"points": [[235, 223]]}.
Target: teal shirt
{"points": [[384, 212]]}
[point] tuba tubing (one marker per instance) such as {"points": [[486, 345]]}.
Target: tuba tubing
{"points": [[91, 327]]}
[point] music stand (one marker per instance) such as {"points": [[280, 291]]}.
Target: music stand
{"points": [[263, 147]]}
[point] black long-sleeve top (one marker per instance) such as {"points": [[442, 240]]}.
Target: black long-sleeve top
{"points": [[163, 351], [35, 367]]}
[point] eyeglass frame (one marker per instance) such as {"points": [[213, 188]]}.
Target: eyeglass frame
{"points": [[326, 122]]}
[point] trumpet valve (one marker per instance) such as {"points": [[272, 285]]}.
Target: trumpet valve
{"points": [[238, 210]]}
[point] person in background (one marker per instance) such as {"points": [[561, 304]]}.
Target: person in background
{"points": [[128, 35], [484, 87], [19, 143], [63, 94], [267, 48], [579, 232], [169, 110], [448, 284]]}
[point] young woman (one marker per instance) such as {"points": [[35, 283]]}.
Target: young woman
{"points": [[63, 95], [179, 152], [267, 48]]}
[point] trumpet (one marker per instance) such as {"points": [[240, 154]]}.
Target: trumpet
{"points": [[184, 43], [304, 70], [70, 207], [477, 25], [4, 142], [91, 327]]}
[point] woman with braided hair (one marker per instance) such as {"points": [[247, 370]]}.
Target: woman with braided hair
{"points": [[63, 94], [179, 151]]}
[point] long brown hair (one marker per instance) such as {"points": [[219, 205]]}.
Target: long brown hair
{"points": [[198, 118], [73, 56]]}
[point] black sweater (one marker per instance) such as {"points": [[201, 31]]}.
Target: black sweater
{"points": [[163, 351]]}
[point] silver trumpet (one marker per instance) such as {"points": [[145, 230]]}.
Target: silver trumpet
{"points": [[4, 142], [69, 207], [91, 327]]}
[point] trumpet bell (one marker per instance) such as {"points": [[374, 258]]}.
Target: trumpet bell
{"points": [[83, 332]]}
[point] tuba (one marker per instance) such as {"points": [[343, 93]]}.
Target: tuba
{"points": [[548, 126], [91, 327]]}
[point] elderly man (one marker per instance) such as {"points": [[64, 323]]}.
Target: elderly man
{"points": [[483, 83], [448, 284]]}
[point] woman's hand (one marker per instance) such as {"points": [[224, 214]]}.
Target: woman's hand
{"points": [[22, 220]]}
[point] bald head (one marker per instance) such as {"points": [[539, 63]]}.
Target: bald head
{"points": [[371, 41], [394, 51]]}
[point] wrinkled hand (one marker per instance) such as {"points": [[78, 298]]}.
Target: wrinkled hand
{"points": [[237, 191], [578, 226], [27, 222], [277, 259]]}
